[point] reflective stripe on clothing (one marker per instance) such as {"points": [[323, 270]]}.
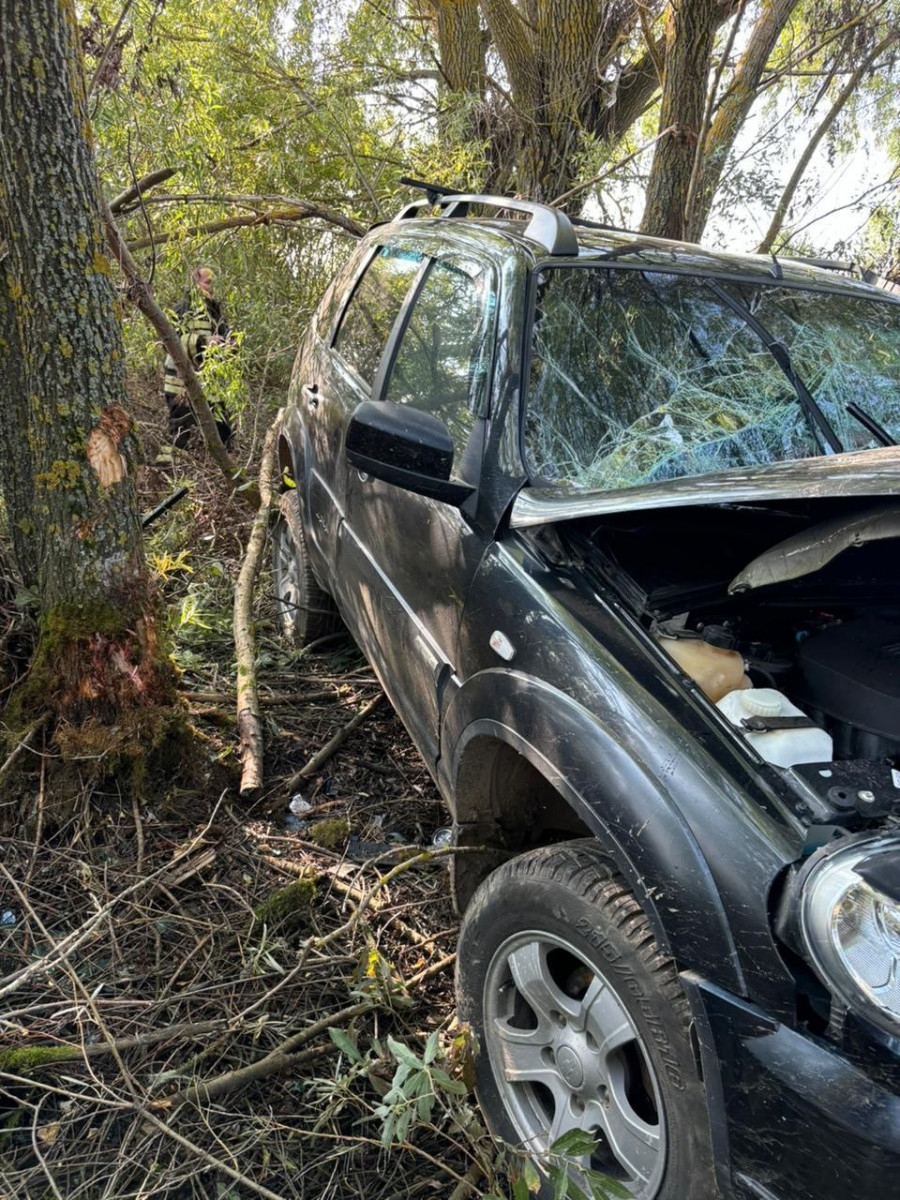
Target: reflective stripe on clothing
{"points": [[196, 324]]}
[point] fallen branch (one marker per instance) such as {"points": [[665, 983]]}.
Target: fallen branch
{"points": [[23, 742], [249, 722], [60, 953], [277, 1060], [291, 867], [467, 1186], [283, 1056], [210, 1159], [271, 700], [25, 1059], [319, 759]]}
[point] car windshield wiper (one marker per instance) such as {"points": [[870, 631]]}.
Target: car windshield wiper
{"points": [[826, 439], [878, 432]]}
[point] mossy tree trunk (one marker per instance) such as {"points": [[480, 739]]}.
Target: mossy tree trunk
{"points": [[67, 469]]}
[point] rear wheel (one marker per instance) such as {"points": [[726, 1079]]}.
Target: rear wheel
{"points": [[306, 612], [582, 1024]]}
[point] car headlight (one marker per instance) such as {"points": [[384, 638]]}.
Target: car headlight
{"points": [[850, 924]]}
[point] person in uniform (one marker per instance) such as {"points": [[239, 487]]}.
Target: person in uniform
{"points": [[200, 324]]}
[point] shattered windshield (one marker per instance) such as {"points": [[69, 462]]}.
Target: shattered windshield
{"points": [[637, 377]]}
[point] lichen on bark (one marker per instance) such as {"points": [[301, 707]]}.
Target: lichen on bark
{"points": [[101, 671]]}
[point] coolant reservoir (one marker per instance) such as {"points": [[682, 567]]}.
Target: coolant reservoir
{"points": [[783, 747], [717, 671]]}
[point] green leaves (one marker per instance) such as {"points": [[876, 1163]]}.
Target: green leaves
{"points": [[575, 1143], [417, 1086], [345, 1045]]}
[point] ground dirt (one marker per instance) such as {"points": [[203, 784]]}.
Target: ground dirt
{"points": [[148, 956]]}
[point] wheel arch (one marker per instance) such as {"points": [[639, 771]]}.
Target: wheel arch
{"points": [[587, 784], [508, 792]]}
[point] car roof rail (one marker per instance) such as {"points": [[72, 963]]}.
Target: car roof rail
{"points": [[866, 274], [549, 226]]}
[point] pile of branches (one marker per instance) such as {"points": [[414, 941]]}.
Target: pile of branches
{"points": [[223, 1011], [208, 995]]}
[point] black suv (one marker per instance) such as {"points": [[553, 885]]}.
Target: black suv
{"points": [[614, 520]]}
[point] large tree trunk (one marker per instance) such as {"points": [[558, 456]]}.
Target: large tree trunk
{"points": [[66, 428], [689, 42]]}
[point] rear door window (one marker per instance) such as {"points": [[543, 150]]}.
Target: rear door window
{"points": [[373, 309]]}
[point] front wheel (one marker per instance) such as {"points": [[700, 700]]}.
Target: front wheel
{"points": [[582, 1024], [305, 610]]}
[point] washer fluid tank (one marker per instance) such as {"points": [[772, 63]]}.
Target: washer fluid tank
{"points": [[717, 671], [783, 747]]}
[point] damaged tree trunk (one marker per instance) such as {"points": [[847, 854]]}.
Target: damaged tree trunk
{"points": [[67, 431]]}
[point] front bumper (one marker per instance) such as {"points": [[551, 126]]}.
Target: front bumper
{"points": [[792, 1117]]}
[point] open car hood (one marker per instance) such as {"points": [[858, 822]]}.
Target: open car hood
{"points": [[862, 473]]}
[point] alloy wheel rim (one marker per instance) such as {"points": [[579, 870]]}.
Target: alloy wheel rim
{"points": [[566, 1055]]}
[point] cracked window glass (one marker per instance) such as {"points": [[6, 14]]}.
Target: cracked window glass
{"points": [[637, 377], [845, 348]]}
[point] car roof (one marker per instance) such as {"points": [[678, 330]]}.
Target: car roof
{"points": [[602, 244]]}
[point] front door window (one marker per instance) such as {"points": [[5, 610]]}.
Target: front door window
{"points": [[442, 363]]}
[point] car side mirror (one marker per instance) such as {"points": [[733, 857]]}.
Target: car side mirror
{"points": [[406, 447]]}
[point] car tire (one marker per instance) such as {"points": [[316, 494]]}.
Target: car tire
{"points": [[306, 612], [581, 1023]]}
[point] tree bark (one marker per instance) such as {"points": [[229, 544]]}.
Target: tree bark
{"points": [[66, 427], [457, 30], [16, 470], [689, 41]]}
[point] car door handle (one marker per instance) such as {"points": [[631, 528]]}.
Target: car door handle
{"points": [[310, 393]]}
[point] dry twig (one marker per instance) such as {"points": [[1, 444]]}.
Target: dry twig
{"points": [[319, 759]]}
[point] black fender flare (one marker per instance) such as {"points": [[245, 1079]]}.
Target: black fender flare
{"points": [[624, 805]]}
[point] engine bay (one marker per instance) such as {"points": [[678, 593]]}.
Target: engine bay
{"points": [[815, 622]]}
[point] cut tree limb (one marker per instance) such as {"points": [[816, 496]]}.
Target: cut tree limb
{"points": [[249, 722]]}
